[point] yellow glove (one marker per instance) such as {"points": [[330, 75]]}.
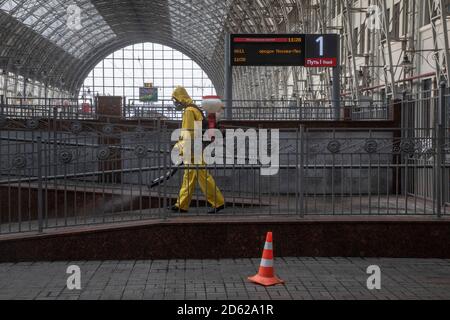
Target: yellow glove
{"points": [[179, 148]]}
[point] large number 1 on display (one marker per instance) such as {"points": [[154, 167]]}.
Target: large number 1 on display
{"points": [[320, 40]]}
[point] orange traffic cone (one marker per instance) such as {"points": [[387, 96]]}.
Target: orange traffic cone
{"points": [[266, 275]]}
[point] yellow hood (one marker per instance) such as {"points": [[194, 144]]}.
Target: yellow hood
{"points": [[182, 96]]}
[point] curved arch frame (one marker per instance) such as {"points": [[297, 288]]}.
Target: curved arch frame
{"points": [[176, 24]]}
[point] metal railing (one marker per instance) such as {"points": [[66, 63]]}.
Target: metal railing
{"points": [[254, 110], [163, 109], [65, 108], [57, 172], [309, 110], [271, 110]]}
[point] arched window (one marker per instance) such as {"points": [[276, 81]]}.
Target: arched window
{"points": [[125, 71]]}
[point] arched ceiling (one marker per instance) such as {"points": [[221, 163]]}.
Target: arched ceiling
{"points": [[36, 41]]}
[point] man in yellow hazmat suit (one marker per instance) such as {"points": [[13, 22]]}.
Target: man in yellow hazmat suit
{"points": [[193, 172]]}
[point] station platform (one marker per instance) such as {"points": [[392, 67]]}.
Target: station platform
{"points": [[306, 278], [232, 237]]}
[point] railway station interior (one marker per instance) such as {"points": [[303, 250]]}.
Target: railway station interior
{"points": [[323, 123]]}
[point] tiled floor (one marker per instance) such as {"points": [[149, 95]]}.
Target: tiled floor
{"points": [[306, 278]]}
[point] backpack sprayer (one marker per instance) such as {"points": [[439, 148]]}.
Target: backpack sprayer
{"points": [[213, 106]]}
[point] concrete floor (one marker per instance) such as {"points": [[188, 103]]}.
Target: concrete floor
{"points": [[306, 278]]}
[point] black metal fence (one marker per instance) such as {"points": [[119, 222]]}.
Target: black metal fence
{"points": [[57, 172], [267, 110]]}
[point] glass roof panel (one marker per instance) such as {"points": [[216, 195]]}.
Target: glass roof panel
{"points": [[49, 18], [7, 5], [196, 17]]}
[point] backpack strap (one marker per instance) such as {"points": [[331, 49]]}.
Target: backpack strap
{"points": [[199, 110], [205, 123]]}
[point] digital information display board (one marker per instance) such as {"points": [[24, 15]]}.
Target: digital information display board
{"points": [[309, 50], [321, 50], [267, 50]]}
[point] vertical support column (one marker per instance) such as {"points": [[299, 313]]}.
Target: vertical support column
{"points": [[228, 79], [390, 68], [404, 112], [301, 182], [40, 200], [54, 151], [399, 133], [347, 16], [432, 5], [25, 87], [2, 104], [5, 82], [440, 135], [443, 10], [47, 106], [337, 92]]}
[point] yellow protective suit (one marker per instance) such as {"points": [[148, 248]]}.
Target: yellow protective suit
{"points": [[193, 173]]}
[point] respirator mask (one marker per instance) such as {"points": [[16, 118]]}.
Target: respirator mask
{"points": [[178, 105]]}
